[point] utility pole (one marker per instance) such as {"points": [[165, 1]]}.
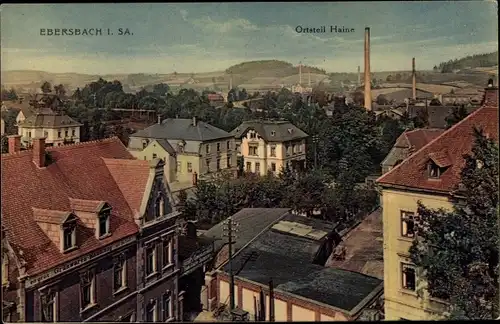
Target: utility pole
{"points": [[315, 142], [229, 231]]}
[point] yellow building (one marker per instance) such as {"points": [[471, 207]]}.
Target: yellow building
{"points": [[57, 129], [431, 175], [194, 148], [268, 146]]}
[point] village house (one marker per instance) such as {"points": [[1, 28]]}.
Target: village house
{"points": [[91, 236], [201, 150], [215, 99], [291, 251], [431, 175], [269, 146]]}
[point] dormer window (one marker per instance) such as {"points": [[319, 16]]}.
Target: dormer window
{"points": [[438, 163], [104, 216], [434, 171], [69, 235]]}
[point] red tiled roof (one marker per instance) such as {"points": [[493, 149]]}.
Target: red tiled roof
{"points": [[457, 141], [78, 173], [50, 216], [418, 138], [214, 96], [91, 206]]}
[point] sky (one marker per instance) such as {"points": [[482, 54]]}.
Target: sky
{"points": [[205, 37]]}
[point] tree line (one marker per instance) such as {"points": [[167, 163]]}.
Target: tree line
{"points": [[468, 62]]}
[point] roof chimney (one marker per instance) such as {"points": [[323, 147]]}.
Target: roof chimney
{"points": [[194, 121], [413, 80], [490, 95], [14, 143], [368, 86], [39, 151]]}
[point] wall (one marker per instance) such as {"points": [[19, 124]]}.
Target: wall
{"points": [[287, 307], [68, 287], [155, 148], [400, 303], [213, 155], [182, 173], [51, 134]]}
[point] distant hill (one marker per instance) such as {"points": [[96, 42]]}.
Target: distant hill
{"points": [[469, 62]]}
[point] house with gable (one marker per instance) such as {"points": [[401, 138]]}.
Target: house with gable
{"points": [[88, 234]]}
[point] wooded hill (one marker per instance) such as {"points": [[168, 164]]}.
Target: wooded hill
{"points": [[469, 62]]}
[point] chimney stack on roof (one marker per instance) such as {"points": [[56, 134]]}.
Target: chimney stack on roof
{"points": [[14, 143], [413, 80], [368, 87], [39, 151], [490, 95]]}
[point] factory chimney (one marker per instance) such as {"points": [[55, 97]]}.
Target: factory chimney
{"points": [[359, 75], [413, 80], [368, 87]]}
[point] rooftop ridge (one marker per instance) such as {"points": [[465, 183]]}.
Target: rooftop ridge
{"points": [[114, 161], [466, 119]]}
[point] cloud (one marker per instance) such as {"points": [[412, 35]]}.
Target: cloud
{"points": [[232, 25], [184, 14]]}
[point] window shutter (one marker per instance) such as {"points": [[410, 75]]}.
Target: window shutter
{"points": [[405, 227]]}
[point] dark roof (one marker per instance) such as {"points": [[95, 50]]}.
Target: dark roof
{"points": [[251, 222], [177, 128], [270, 130], [437, 114], [288, 260], [166, 146], [48, 119], [84, 174], [456, 142]]}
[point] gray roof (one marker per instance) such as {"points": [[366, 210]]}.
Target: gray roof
{"points": [[176, 129], [166, 146], [271, 130], [287, 259], [251, 222], [437, 114], [48, 119]]}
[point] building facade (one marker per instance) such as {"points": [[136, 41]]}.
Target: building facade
{"points": [[201, 150], [98, 244], [431, 175], [269, 146]]}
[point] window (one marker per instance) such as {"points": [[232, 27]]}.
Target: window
{"points": [[179, 166], [73, 132], [252, 150], [69, 235], [207, 148], [273, 133], [208, 165], [119, 273], [87, 286], [29, 134], [407, 224], [65, 133], [294, 149], [249, 166], [228, 162], [48, 305], [287, 150], [408, 276], [144, 158], [253, 135], [228, 145], [104, 222], [299, 148], [273, 167], [434, 171], [150, 260], [257, 167], [190, 167], [59, 134], [151, 311], [238, 147], [218, 147], [167, 253], [167, 306], [45, 134], [218, 164], [154, 155], [159, 204], [144, 144], [273, 151]]}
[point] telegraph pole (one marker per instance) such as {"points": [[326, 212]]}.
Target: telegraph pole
{"points": [[315, 142], [230, 230]]}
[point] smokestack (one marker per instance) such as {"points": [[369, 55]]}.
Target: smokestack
{"points": [[359, 75], [14, 143], [300, 73], [309, 74], [413, 80], [368, 87], [39, 152]]}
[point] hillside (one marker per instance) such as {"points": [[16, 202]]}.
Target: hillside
{"points": [[469, 62], [269, 68]]}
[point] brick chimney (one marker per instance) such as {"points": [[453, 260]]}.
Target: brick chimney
{"points": [[39, 151], [490, 96], [195, 178], [14, 143], [368, 86], [413, 80]]}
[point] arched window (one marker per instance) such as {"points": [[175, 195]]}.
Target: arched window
{"points": [[159, 206]]}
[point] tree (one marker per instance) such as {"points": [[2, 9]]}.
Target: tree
{"points": [[46, 87], [382, 100], [456, 115], [359, 98], [60, 90], [458, 250], [421, 120], [389, 78], [398, 77]]}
